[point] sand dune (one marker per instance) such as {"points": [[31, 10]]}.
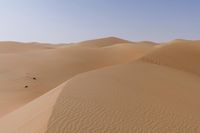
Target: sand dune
{"points": [[103, 42], [104, 85], [17, 47], [180, 54], [140, 97], [25, 76], [143, 96]]}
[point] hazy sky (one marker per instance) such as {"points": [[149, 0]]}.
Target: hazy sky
{"points": [[75, 20]]}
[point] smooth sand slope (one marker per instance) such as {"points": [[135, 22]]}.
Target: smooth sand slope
{"points": [[139, 97], [33, 117], [143, 96], [28, 73]]}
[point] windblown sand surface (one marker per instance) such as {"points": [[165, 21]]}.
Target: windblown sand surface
{"points": [[106, 85], [29, 74]]}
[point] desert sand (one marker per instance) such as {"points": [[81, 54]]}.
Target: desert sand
{"points": [[105, 85]]}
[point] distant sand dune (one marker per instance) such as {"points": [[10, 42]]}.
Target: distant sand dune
{"points": [[16, 47], [182, 55], [103, 42]]}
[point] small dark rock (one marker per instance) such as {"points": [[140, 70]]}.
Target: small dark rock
{"points": [[34, 78], [26, 86]]}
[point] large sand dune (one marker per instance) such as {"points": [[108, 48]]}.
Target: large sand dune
{"points": [[139, 97], [109, 85], [29, 74]]}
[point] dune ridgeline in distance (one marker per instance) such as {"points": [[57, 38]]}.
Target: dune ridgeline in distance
{"points": [[107, 85]]}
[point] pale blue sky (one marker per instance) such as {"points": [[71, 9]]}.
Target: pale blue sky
{"points": [[59, 21]]}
